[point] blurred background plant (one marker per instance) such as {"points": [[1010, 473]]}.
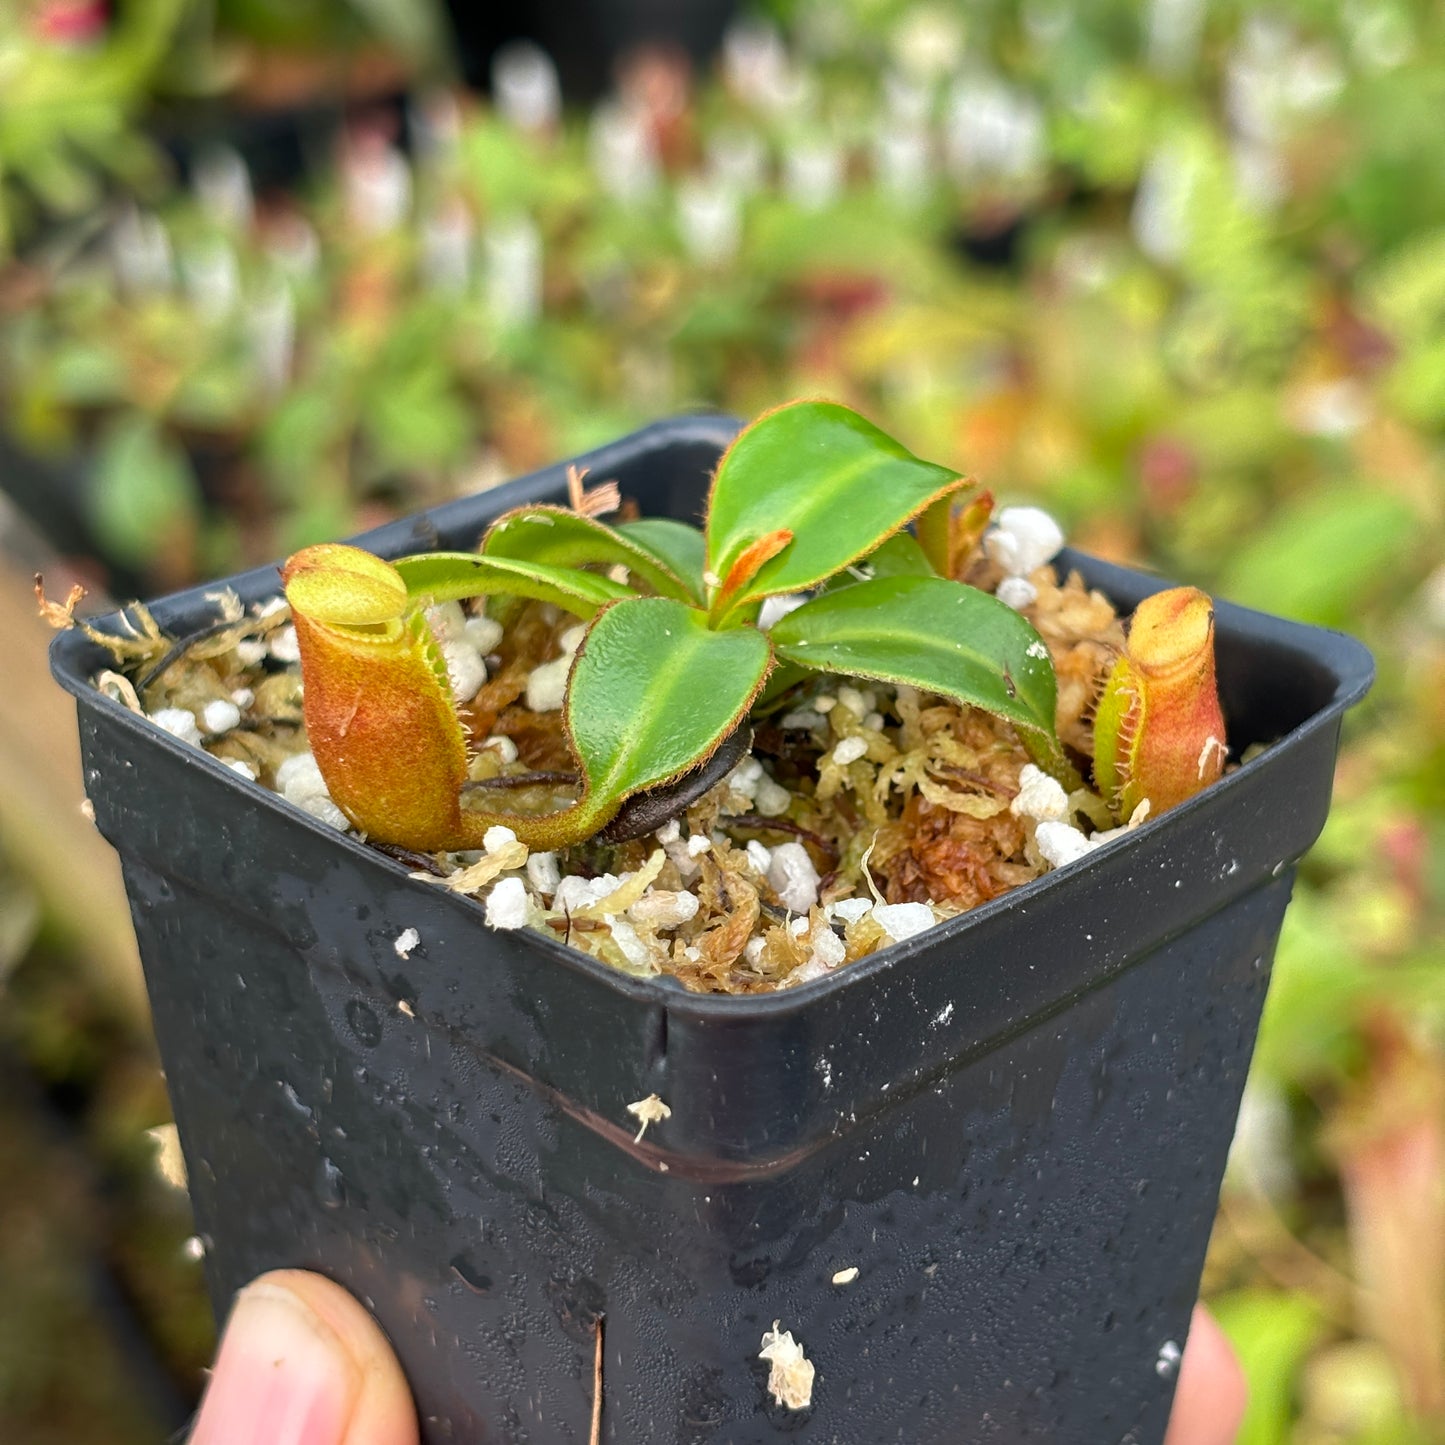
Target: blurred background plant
{"points": [[1176, 271]]}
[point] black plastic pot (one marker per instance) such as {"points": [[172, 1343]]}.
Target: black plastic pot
{"points": [[1013, 1126]]}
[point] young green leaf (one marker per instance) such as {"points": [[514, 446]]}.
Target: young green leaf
{"points": [[653, 692], [932, 634], [452, 576], [557, 537], [820, 471], [749, 563]]}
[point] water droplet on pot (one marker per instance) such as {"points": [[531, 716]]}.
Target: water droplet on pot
{"points": [[1168, 1362], [329, 1185]]}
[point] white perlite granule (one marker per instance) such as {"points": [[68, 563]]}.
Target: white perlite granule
{"points": [[447, 621], [320, 806], [744, 778], [850, 910], [1024, 538], [503, 746], [828, 952], [466, 672], [508, 904], [298, 777], [547, 685], [771, 799], [284, 647], [790, 1379], [793, 878], [1016, 592], [299, 781], [484, 633], [220, 716], [1061, 843], [406, 940], [544, 872], [574, 892], [903, 920], [179, 722], [850, 750], [1040, 797]]}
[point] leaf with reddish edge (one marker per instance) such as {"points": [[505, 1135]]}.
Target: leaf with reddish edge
{"points": [[822, 472], [1159, 730]]}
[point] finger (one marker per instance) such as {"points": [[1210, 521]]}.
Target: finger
{"points": [[301, 1363], [1210, 1399]]}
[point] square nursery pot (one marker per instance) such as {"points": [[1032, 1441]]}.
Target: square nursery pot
{"points": [[1013, 1127]]}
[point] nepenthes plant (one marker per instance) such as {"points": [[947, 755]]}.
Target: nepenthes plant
{"points": [[811, 502]]}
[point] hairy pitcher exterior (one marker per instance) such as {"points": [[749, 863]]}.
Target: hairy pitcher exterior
{"points": [[1159, 730]]}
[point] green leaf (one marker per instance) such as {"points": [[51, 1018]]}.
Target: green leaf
{"points": [[560, 538], [675, 545], [653, 692], [929, 633], [451, 576], [820, 471]]}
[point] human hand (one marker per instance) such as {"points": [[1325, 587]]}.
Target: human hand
{"points": [[1211, 1395], [302, 1363]]}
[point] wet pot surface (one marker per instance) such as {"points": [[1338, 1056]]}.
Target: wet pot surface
{"points": [[1012, 1127]]}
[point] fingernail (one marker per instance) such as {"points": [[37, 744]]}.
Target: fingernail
{"points": [[281, 1378]]}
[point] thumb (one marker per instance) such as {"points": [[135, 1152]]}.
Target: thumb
{"points": [[301, 1363]]}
